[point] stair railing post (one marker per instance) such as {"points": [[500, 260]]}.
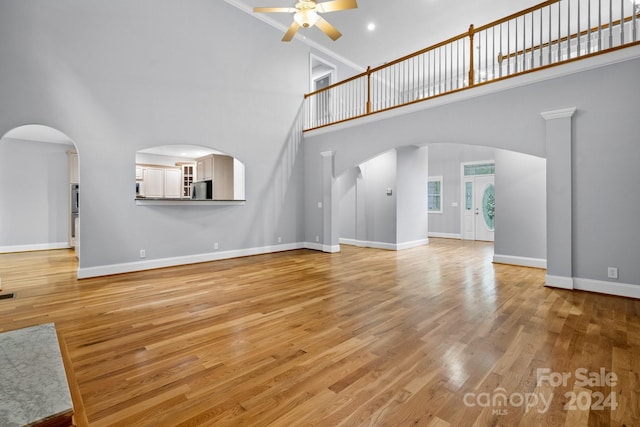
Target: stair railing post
{"points": [[369, 90], [472, 75]]}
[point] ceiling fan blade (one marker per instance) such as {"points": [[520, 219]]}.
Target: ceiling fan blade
{"points": [[328, 29], [274, 9], [293, 29], [335, 5]]}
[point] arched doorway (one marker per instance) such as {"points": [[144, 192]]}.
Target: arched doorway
{"points": [[369, 215], [39, 189]]}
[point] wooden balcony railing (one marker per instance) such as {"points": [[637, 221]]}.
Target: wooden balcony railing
{"points": [[548, 34]]}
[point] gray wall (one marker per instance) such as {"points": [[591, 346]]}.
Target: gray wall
{"points": [[444, 160], [378, 174], [371, 215], [34, 193], [121, 76], [411, 190], [347, 193], [379, 218], [521, 205], [605, 152]]}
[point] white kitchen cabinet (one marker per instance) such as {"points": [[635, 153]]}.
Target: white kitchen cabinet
{"points": [[204, 168], [172, 183], [219, 168], [161, 183], [153, 182], [188, 178], [74, 176]]}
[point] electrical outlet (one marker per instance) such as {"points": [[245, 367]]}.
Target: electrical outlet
{"points": [[319, 205], [317, 238], [143, 253], [454, 204], [612, 272], [279, 239], [215, 246]]}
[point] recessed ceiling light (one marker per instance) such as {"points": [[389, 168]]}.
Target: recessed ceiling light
{"points": [[371, 26]]}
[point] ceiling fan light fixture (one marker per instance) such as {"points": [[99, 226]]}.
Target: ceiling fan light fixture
{"points": [[306, 18]]}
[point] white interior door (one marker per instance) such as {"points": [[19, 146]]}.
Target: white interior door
{"points": [[484, 209], [479, 208]]}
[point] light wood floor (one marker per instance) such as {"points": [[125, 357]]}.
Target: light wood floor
{"points": [[362, 337]]}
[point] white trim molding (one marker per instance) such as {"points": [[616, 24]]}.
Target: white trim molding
{"points": [[332, 249], [383, 245], [322, 248], [611, 288], [313, 246], [412, 244], [561, 282], [34, 247], [457, 236], [129, 267], [521, 261], [558, 114]]}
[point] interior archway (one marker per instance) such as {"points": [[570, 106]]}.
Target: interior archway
{"points": [[369, 216], [39, 184]]}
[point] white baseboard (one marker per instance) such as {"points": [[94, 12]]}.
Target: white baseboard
{"points": [[521, 261], [350, 242], [367, 244], [445, 235], [34, 247], [382, 245], [129, 267], [313, 246], [413, 244], [604, 287], [322, 248], [561, 282]]}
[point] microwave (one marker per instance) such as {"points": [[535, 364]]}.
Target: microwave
{"points": [[202, 190]]}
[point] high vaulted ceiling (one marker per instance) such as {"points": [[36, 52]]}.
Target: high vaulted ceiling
{"points": [[402, 26]]}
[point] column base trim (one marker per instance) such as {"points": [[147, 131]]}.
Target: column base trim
{"points": [[561, 282]]}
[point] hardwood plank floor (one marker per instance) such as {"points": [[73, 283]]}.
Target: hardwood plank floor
{"points": [[431, 336]]}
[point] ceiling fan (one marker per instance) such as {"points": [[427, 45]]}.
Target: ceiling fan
{"points": [[307, 14]]}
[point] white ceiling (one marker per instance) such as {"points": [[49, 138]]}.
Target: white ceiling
{"points": [[402, 26]]}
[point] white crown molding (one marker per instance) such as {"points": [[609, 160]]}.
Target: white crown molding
{"points": [[300, 37], [558, 114], [328, 153]]}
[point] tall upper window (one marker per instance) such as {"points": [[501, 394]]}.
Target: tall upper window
{"points": [[434, 196]]}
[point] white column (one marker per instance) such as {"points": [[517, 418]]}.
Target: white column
{"points": [[559, 206], [330, 220]]}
